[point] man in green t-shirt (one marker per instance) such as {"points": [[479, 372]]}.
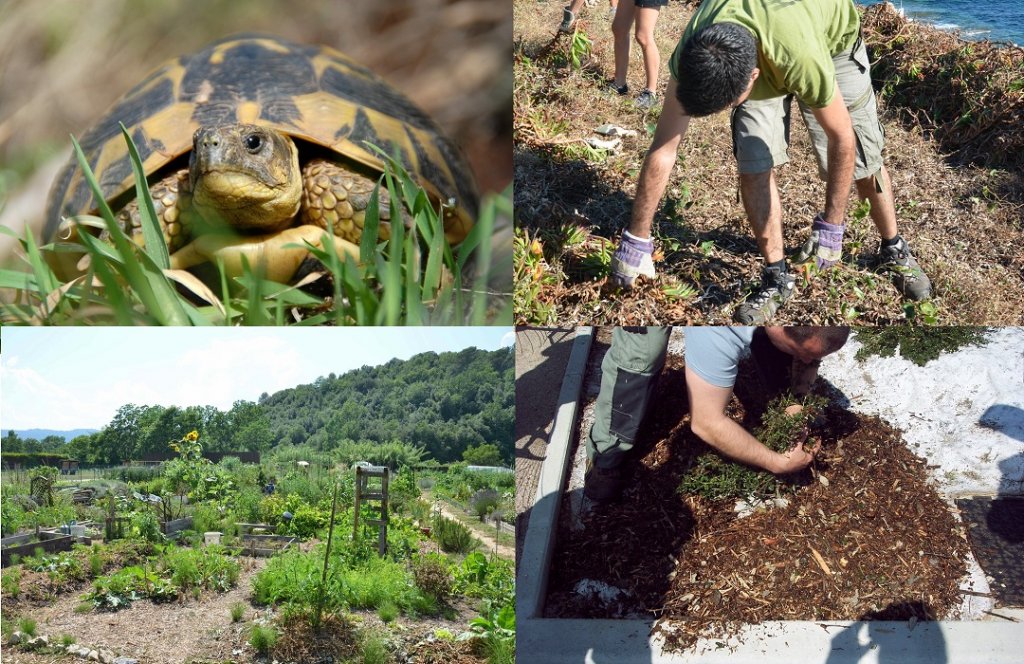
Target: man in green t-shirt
{"points": [[755, 56]]}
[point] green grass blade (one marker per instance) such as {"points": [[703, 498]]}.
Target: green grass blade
{"points": [[156, 247], [371, 227]]}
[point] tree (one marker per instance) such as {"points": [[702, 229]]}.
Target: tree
{"points": [[484, 454]]}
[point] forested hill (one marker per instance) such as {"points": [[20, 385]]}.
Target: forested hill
{"points": [[442, 402]]}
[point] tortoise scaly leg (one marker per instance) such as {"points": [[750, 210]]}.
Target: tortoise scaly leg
{"points": [[268, 253], [172, 200], [335, 196]]}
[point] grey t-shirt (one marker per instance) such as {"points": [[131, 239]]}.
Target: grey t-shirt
{"points": [[714, 353]]}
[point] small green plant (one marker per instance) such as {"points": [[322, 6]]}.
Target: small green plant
{"points": [[66, 640], [715, 477], [95, 564], [237, 611], [387, 612], [11, 582], [84, 607], [453, 536], [262, 638], [580, 48], [375, 649], [27, 626]]}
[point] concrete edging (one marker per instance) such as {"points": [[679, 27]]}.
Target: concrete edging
{"points": [[558, 641], [539, 543]]}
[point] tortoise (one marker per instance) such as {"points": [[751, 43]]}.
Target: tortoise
{"points": [[256, 142]]}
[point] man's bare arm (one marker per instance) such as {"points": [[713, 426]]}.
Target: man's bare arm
{"points": [[658, 163], [842, 151], [710, 423]]}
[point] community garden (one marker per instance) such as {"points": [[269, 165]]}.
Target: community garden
{"points": [[212, 562]]}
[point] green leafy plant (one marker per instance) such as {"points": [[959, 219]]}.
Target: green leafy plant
{"points": [[580, 48], [715, 477], [237, 611]]}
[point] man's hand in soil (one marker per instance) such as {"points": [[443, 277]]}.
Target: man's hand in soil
{"points": [[797, 458]]}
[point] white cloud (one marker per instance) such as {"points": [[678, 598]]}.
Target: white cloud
{"points": [[508, 339]]}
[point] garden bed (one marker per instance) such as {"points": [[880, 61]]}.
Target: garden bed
{"points": [[264, 546], [27, 544], [875, 542]]}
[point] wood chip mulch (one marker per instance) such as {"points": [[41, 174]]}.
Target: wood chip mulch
{"points": [[864, 538]]}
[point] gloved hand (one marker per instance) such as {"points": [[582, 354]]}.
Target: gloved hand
{"points": [[631, 259], [825, 244]]}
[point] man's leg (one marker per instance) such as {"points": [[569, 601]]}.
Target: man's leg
{"points": [[853, 74], [764, 210], [760, 139], [629, 372]]}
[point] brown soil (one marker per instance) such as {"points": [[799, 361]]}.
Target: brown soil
{"points": [[875, 542], [963, 223]]}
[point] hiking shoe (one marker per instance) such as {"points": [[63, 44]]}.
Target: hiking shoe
{"points": [[602, 485], [646, 99], [568, 20], [906, 274], [617, 89], [776, 287]]}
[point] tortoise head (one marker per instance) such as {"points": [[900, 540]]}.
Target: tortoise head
{"points": [[245, 175]]}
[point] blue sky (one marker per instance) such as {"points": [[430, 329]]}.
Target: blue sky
{"points": [[64, 378]]}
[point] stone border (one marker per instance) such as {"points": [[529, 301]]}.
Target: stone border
{"points": [[558, 641]]}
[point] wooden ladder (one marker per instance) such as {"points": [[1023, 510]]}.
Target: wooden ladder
{"points": [[370, 490]]}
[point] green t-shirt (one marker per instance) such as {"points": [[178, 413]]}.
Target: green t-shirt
{"points": [[796, 42]]}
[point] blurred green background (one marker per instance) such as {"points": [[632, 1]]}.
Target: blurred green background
{"points": [[63, 63]]}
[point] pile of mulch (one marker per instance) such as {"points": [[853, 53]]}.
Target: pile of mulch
{"points": [[864, 536], [969, 96], [443, 651], [336, 640]]}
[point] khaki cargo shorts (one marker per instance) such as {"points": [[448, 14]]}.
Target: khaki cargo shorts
{"points": [[760, 129]]}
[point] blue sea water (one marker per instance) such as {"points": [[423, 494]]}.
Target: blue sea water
{"points": [[998, 20]]}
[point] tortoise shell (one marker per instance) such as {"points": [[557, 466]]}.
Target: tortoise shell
{"points": [[312, 93]]}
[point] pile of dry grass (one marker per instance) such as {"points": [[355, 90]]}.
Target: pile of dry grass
{"points": [[969, 96]]}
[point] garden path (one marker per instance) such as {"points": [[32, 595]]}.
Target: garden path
{"points": [[490, 544]]}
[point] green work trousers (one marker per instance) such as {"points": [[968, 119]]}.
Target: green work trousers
{"points": [[628, 373]]}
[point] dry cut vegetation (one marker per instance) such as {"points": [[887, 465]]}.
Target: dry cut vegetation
{"points": [[952, 115]]}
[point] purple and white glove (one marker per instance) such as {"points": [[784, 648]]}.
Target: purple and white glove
{"points": [[632, 259], [825, 244]]}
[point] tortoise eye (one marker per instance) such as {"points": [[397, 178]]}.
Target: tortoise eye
{"points": [[253, 142]]}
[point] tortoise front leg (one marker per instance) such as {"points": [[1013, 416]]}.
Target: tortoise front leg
{"points": [[335, 196], [267, 253], [172, 200]]}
